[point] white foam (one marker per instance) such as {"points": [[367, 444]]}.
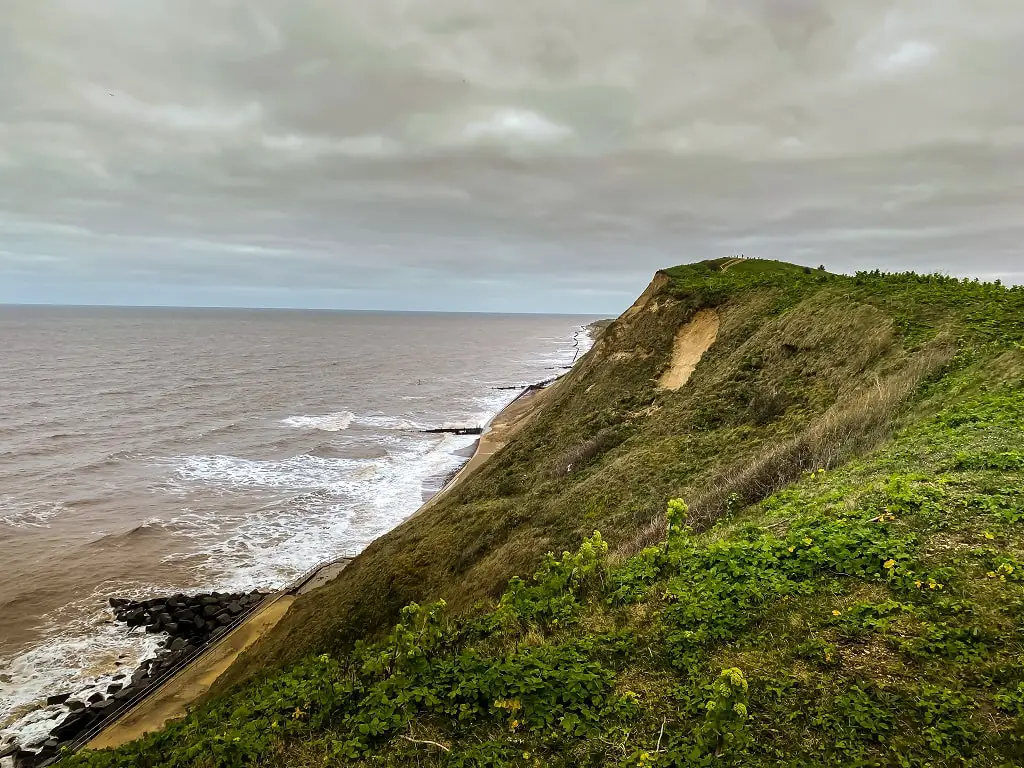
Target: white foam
{"points": [[395, 423], [78, 657], [330, 422], [295, 473], [402, 424], [338, 506], [20, 514]]}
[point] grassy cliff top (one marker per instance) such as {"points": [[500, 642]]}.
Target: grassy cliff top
{"points": [[809, 554]]}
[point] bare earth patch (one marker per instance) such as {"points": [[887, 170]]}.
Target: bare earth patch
{"points": [[692, 341]]}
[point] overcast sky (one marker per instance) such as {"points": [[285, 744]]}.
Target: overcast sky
{"points": [[522, 155]]}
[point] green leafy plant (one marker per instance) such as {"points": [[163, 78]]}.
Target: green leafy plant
{"points": [[725, 717], [552, 597]]}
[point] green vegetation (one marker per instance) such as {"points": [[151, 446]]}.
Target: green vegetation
{"points": [[837, 578]]}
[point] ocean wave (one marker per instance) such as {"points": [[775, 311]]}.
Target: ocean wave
{"points": [[109, 460], [342, 420], [336, 506], [331, 422], [150, 528], [394, 423], [297, 472], [359, 450], [401, 424]]}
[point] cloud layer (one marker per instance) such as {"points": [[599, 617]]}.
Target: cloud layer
{"points": [[542, 154]]}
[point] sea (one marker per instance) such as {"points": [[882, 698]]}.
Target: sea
{"points": [[149, 451]]}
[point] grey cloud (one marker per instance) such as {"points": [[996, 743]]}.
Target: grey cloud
{"points": [[536, 154]]}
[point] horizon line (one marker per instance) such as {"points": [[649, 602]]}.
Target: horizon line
{"points": [[54, 305]]}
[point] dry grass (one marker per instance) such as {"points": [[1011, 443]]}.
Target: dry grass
{"points": [[851, 427], [578, 455]]}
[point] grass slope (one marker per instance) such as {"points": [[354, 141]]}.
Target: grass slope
{"points": [[842, 589]]}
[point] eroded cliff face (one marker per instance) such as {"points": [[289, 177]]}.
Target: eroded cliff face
{"points": [[609, 442]]}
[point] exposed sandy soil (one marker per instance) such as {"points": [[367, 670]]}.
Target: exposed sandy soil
{"points": [[692, 341], [170, 701], [498, 433]]}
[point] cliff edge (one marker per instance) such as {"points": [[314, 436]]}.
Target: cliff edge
{"points": [[808, 493]]}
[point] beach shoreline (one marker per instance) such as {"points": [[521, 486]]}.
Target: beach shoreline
{"points": [[496, 434], [171, 699]]}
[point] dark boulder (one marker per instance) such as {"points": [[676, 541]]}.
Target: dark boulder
{"points": [[45, 755], [171, 629], [118, 602], [184, 615], [72, 725], [124, 694], [96, 697], [114, 687], [101, 708], [143, 683], [234, 609], [59, 698], [211, 610], [178, 644], [74, 705], [199, 622]]}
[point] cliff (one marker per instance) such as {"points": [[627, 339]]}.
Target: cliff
{"points": [[836, 581]]}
